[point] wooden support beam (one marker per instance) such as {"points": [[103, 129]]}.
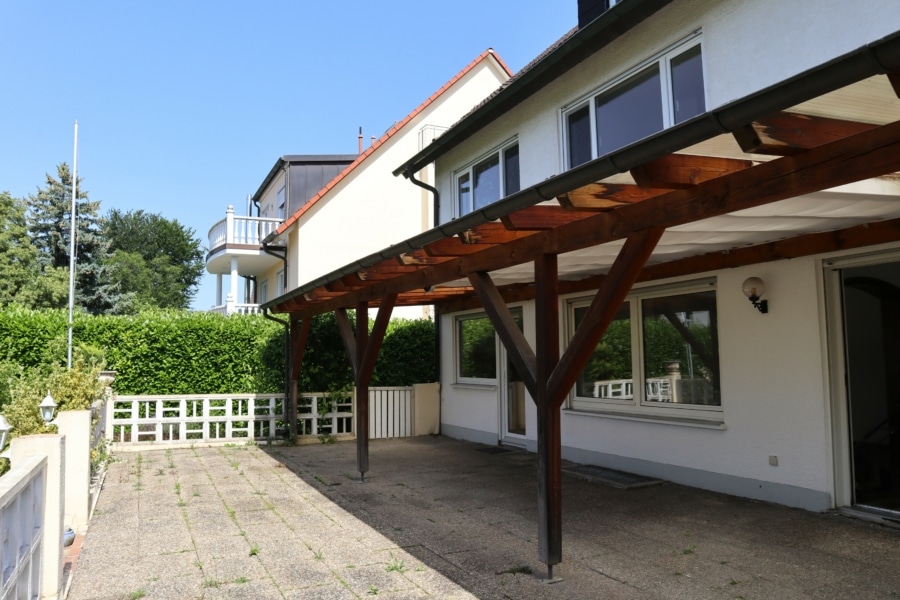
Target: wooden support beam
{"points": [[511, 336], [299, 335], [604, 196], [684, 171], [786, 134], [350, 344], [362, 390], [538, 218], [894, 78], [549, 439], [490, 233], [612, 292]]}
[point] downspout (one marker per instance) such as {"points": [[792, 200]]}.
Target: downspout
{"points": [[437, 196], [287, 357], [437, 321]]}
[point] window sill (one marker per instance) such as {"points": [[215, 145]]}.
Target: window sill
{"points": [[649, 418]]}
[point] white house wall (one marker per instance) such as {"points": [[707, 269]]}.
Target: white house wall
{"points": [[371, 209], [747, 46], [774, 401]]}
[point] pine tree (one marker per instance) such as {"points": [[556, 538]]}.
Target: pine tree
{"points": [[49, 218]]}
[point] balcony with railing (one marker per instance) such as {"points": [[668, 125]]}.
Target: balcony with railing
{"points": [[235, 243]]}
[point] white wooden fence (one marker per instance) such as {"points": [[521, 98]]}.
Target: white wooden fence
{"points": [[22, 497], [246, 417]]}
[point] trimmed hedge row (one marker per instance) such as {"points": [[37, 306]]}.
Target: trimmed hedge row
{"points": [[178, 352]]}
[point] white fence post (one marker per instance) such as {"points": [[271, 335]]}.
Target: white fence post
{"points": [[53, 447], [76, 426]]}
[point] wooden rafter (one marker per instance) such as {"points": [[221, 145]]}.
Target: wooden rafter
{"points": [[684, 171], [786, 134], [540, 218], [605, 196]]}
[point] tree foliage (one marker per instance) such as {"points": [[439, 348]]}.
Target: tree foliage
{"points": [[18, 258], [157, 260], [49, 224]]}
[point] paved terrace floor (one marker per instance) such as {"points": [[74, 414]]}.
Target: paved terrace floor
{"points": [[438, 518]]}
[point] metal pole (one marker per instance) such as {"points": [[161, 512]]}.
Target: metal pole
{"points": [[72, 245]]}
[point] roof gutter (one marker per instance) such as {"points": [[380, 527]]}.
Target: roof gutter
{"points": [[879, 57]]}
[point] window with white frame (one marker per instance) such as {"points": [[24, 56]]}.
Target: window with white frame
{"points": [[279, 283], [263, 292], [660, 93], [476, 347], [487, 180], [659, 354], [280, 202]]}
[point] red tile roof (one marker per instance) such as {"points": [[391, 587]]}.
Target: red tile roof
{"points": [[389, 134]]}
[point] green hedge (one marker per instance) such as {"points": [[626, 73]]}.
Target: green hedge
{"points": [[179, 352]]}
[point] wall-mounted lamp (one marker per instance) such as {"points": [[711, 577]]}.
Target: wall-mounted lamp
{"points": [[754, 288], [47, 406]]}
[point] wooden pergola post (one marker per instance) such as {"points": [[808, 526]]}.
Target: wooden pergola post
{"points": [[299, 332], [363, 349], [548, 377]]}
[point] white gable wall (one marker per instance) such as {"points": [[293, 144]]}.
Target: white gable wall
{"points": [[370, 209]]}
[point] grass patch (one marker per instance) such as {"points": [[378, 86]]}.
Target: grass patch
{"points": [[242, 580], [395, 565], [137, 594], [254, 550]]}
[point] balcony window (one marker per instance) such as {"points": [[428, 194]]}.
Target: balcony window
{"points": [[658, 356], [663, 92], [280, 202], [487, 180], [263, 292]]}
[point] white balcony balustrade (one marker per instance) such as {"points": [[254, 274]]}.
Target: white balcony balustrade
{"points": [[245, 231]]}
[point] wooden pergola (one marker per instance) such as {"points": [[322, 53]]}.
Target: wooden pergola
{"points": [[622, 216]]}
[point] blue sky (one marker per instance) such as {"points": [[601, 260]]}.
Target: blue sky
{"points": [[184, 106]]}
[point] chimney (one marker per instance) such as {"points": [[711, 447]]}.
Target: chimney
{"points": [[360, 139], [588, 10]]}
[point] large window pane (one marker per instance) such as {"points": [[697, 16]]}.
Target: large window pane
{"points": [[687, 85], [608, 373], [477, 351], [511, 170], [464, 193], [579, 136], [630, 111], [487, 182], [681, 356]]}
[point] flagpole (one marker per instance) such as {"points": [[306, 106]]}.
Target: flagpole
{"points": [[72, 245]]}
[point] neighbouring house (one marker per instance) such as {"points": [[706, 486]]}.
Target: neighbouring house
{"points": [[671, 246], [236, 242], [317, 213]]}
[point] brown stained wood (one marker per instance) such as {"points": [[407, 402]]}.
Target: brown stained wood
{"points": [[684, 171], [517, 347], [376, 337], [864, 155], [490, 233], [549, 439], [418, 258], [605, 196], [786, 134], [894, 78], [451, 246], [537, 218], [362, 390], [346, 331], [612, 292]]}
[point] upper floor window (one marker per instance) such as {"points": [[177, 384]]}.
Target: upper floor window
{"points": [[487, 180], [280, 200], [663, 92], [279, 283]]}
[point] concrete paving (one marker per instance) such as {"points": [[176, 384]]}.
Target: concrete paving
{"points": [[438, 518]]}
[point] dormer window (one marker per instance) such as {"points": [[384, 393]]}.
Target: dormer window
{"points": [[488, 179], [660, 93]]}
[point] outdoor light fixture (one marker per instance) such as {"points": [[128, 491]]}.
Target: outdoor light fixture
{"points": [[4, 432], [47, 407], [754, 288]]}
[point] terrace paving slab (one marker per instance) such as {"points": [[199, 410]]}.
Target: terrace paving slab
{"points": [[440, 518]]}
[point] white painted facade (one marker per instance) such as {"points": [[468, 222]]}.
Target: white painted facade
{"points": [[778, 369]]}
